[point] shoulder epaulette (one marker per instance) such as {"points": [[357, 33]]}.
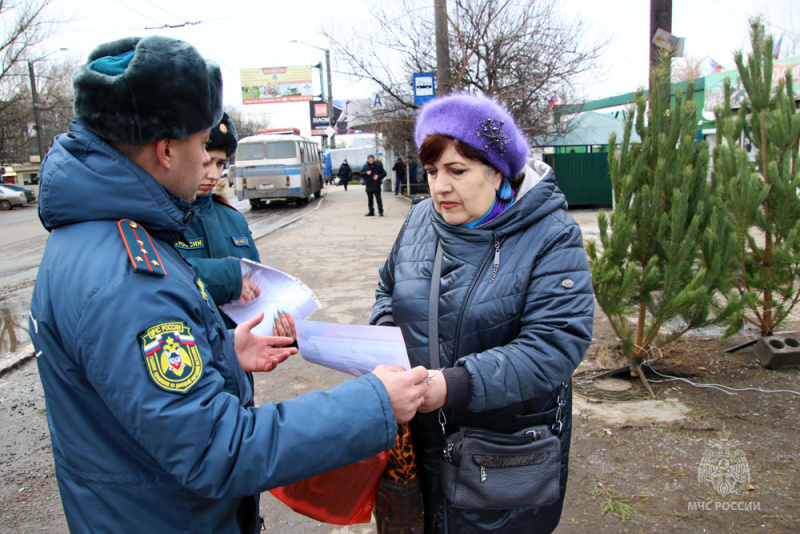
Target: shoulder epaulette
{"points": [[224, 203], [141, 250]]}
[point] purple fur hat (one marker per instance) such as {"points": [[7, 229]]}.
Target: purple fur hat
{"points": [[479, 122]]}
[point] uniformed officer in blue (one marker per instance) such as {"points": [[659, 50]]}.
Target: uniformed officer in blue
{"points": [[150, 414], [218, 235]]}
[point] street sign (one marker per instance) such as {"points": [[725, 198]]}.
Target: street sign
{"points": [[424, 87]]}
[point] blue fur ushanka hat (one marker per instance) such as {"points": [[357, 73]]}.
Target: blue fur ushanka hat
{"points": [[138, 90], [223, 136], [479, 122]]}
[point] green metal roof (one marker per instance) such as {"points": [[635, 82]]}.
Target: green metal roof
{"points": [[590, 128]]}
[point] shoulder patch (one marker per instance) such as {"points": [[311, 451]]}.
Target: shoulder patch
{"points": [[171, 356], [240, 241], [141, 250]]}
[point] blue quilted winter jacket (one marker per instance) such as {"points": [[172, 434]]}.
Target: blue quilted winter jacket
{"points": [[515, 319], [151, 416]]}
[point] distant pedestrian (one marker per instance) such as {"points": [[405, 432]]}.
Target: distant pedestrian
{"points": [[373, 173], [344, 173], [399, 175]]}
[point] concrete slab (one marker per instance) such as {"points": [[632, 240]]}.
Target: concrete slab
{"points": [[635, 413]]}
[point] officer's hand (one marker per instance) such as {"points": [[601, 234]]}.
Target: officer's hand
{"points": [[260, 353], [406, 389]]}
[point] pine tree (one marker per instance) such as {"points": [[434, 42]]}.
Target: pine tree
{"points": [[761, 196], [666, 249]]}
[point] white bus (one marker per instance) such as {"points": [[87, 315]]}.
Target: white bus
{"points": [[278, 164]]}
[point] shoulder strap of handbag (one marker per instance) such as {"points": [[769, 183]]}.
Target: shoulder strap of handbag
{"points": [[433, 336], [433, 307]]}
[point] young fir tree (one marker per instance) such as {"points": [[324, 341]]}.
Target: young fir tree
{"points": [[761, 197], [666, 251]]}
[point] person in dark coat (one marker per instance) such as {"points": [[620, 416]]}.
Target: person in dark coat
{"points": [[399, 175], [373, 174], [344, 173], [515, 302]]}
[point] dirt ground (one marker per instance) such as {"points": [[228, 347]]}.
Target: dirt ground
{"points": [[644, 476]]}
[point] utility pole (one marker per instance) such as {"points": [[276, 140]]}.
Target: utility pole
{"points": [[443, 79], [36, 115], [331, 110], [660, 17], [330, 89]]}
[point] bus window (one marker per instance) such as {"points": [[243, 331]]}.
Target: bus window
{"points": [[250, 151], [281, 150]]}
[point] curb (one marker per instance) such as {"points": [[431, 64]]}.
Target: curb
{"points": [[290, 221]]}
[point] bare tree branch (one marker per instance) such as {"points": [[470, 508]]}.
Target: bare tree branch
{"points": [[520, 52]]}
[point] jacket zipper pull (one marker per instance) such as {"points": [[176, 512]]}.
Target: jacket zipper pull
{"points": [[496, 260], [484, 478]]}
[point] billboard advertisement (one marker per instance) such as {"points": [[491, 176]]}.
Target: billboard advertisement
{"points": [[276, 85], [319, 117]]}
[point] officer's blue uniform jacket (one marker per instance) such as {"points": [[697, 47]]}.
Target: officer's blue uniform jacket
{"points": [[150, 414], [515, 319], [214, 241]]}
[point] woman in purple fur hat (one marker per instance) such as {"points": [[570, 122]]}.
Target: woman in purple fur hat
{"points": [[502, 321]]}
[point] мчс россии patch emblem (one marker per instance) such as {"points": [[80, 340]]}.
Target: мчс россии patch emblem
{"points": [[171, 356]]}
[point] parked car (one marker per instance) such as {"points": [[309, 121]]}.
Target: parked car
{"points": [[30, 196], [10, 198]]}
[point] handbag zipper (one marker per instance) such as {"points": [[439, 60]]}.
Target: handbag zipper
{"points": [[528, 437]]}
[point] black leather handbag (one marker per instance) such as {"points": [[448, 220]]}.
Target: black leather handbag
{"points": [[481, 469]]}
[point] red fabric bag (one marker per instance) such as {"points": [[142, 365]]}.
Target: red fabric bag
{"points": [[343, 496]]}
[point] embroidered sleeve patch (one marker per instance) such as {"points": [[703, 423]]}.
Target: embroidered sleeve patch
{"points": [[171, 356], [240, 241], [191, 243]]}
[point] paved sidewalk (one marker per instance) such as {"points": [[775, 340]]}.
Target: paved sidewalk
{"points": [[337, 251]]}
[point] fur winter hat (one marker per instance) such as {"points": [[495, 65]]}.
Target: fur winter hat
{"points": [[479, 122], [138, 90], [223, 136]]}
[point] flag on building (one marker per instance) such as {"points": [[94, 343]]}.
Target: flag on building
{"points": [[777, 50], [552, 101], [716, 67]]}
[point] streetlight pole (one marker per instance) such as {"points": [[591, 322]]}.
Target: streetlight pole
{"points": [[330, 89], [331, 110], [36, 115]]}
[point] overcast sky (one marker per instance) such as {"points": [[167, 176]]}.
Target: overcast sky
{"points": [[257, 33]]}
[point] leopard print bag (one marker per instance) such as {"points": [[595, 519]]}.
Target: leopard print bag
{"points": [[398, 504]]}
